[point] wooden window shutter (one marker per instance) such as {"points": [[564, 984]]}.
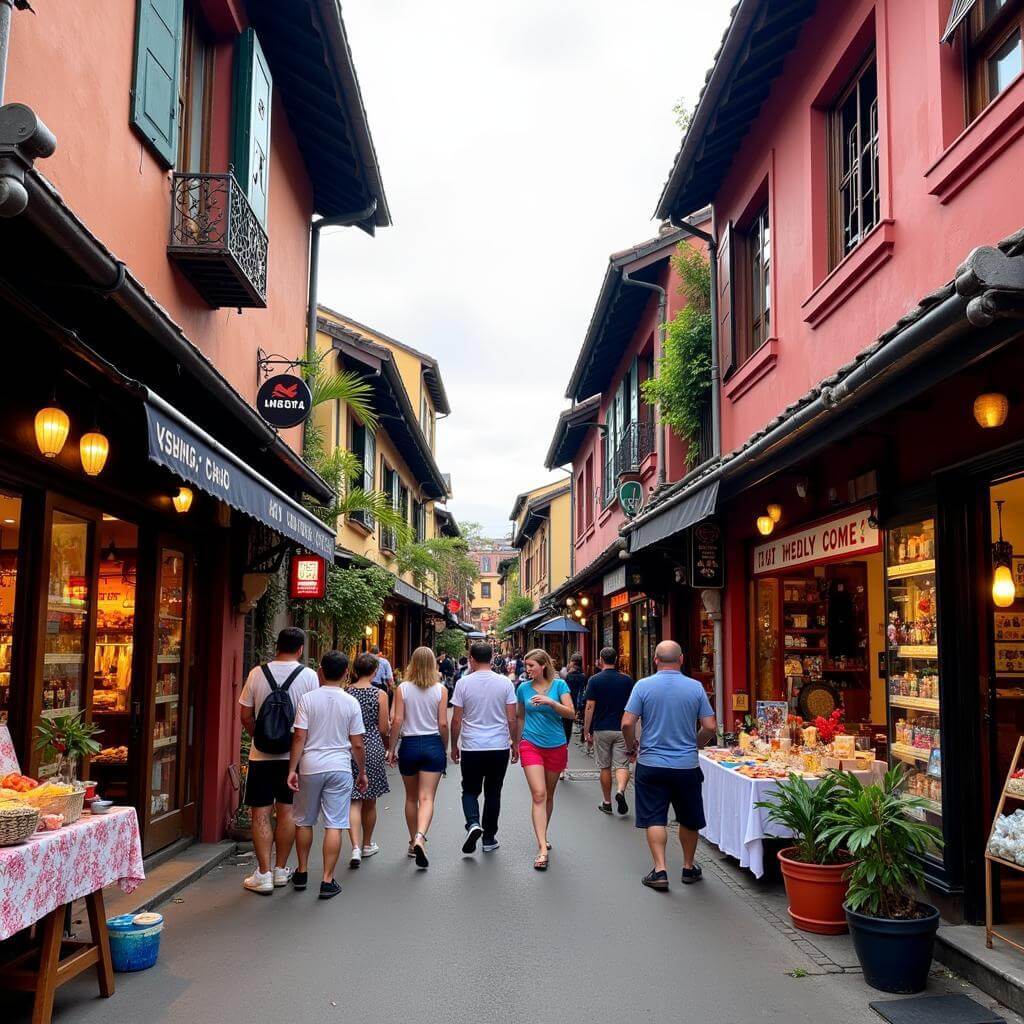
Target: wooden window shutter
{"points": [[250, 153], [154, 110], [726, 320]]}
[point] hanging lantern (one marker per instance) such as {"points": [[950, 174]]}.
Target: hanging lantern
{"points": [[570, 601], [93, 449], [625, 616], [991, 409], [774, 511], [583, 622], [1004, 590], [183, 499], [368, 630], [765, 525], [389, 617], [584, 601], [578, 613], [52, 426]]}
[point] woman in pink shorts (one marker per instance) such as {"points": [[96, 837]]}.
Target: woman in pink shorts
{"points": [[544, 701]]}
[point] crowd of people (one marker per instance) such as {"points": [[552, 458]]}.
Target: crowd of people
{"points": [[322, 741]]}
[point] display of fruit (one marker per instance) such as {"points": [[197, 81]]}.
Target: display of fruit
{"points": [[19, 783], [42, 795]]}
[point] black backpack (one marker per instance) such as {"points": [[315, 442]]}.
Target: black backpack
{"points": [[273, 734]]}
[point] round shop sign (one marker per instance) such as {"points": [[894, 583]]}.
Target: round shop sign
{"points": [[631, 497], [284, 400]]}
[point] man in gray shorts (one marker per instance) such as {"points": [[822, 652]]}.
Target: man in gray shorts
{"points": [[327, 738], [607, 693]]}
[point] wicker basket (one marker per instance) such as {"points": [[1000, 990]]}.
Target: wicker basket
{"points": [[70, 805], [17, 824], [1015, 786]]}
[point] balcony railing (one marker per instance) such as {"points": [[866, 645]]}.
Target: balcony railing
{"points": [[217, 240], [636, 444]]}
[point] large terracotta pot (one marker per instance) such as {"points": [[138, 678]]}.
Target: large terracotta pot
{"points": [[816, 894]]}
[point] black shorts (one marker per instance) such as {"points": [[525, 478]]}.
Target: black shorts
{"points": [[656, 788], [266, 783]]}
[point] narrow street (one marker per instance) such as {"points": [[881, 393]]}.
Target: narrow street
{"points": [[487, 939]]}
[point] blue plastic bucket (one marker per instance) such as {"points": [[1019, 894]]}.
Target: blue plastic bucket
{"points": [[134, 941]]}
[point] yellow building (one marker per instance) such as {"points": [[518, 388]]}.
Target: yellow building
{"points": [[542, 535], [398, 459], [487, 589]]}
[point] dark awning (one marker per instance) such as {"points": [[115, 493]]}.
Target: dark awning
{"points": [[676, 518], [525, 622], [177, 444], [410, 593], [433, 605]]}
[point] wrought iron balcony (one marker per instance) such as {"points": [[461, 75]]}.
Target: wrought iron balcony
{"points": [[217, 240], [636, 444]]}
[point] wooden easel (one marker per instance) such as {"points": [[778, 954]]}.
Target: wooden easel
{"points": [[57, 960], [991, 859]]}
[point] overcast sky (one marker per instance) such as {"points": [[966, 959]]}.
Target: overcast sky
{"points": [[520, 144]]}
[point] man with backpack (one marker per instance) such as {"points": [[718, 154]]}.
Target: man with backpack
{"points": [[267, 706]]}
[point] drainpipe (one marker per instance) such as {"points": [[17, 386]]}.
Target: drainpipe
{"points": [[345, 220], [659, 434], [716, 370]]}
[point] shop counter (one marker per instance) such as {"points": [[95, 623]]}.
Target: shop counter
{"points": [[41, 877], [735, 824]]}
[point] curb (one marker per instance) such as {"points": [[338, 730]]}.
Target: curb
{"points": [[1007, 988]]}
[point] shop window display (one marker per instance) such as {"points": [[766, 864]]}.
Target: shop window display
{"points": [[170, 626], [10, 527]]}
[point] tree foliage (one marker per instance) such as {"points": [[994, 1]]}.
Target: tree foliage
{"points": [[513, 609], [440, 565], [451, 642], [353, 599], [683, 383]]}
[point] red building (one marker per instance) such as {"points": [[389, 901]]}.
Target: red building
{"points": [[861, 162], [155, 244]]}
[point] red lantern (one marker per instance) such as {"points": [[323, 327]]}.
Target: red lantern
{"points": [[454, 606]]}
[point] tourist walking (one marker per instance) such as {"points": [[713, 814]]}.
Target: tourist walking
{"points": [[267, 711], [328, 737], [542, 702], [484, 721], [373, 704], [384, 674], [420, 721], [668, 706], [605, 703], [576, 680]]}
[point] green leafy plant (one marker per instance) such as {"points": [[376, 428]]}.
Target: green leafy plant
{"points": [[802, 808], [683, 384], [513, 610], [440, 565], [876, 824], [353, 599], [67, 738], [451, 642]]}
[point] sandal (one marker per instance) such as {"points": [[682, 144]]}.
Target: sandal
{"points": [[410, 852], [419, 852], [540, 864]]}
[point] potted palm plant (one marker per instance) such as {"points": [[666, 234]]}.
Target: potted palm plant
{"points": [[813, 872], [883, 828]]}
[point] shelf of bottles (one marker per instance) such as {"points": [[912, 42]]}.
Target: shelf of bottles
{"points": [[912, 646], [170, 635], [68, 605]]}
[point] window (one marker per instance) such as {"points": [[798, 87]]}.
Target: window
{"points": [[855, 195], [419, 520], [364, 447], [759, 291], [994, 53], [252, 103], [485, 590], [581, 505], [155, 84], [485, 563], [195, 90], [392, 487], [588, 492]]}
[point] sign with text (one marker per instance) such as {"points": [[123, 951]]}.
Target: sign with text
{"points": [[829, 541], [284, 400], [707, 556], [308, 576], [631, 497], [614, 581]]}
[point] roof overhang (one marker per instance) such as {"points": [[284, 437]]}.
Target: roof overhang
{"points": [[308, 53], [391, 402], [619, 309], [572, 427], [754, 48], [446, 523], [537, 511]]}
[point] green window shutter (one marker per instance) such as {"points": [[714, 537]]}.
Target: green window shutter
{"points": [[158, 28], [251, 145]]}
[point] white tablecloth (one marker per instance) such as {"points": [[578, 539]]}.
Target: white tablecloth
{"points": [[734, 823]]}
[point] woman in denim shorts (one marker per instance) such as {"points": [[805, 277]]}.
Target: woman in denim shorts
{"points": [[421, 721]]}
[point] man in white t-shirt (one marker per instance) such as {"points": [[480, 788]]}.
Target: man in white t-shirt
{"points": [[266, 783], [485, 720], [328, 737]]}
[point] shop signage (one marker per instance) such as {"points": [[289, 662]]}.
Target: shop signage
{"points": [[707, 556], [284, 400], [614, 580], [631, 497], [191, 454], [454, 606], [845, 535], [619, 601], [308, 577]]}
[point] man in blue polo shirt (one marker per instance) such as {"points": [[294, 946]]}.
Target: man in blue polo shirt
{"points": [[669, 705]]}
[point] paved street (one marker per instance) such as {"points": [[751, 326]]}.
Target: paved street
{"points": [[482, 939]]}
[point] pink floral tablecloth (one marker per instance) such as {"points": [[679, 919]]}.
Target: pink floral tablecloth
{"points": [[54, 868]]}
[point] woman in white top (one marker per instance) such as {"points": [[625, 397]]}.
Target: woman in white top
{"points": [[421, 721]]}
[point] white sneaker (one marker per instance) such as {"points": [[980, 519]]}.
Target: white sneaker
{"points": [[282, 876], [369, 851], [357, 858], [260, 881]]}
